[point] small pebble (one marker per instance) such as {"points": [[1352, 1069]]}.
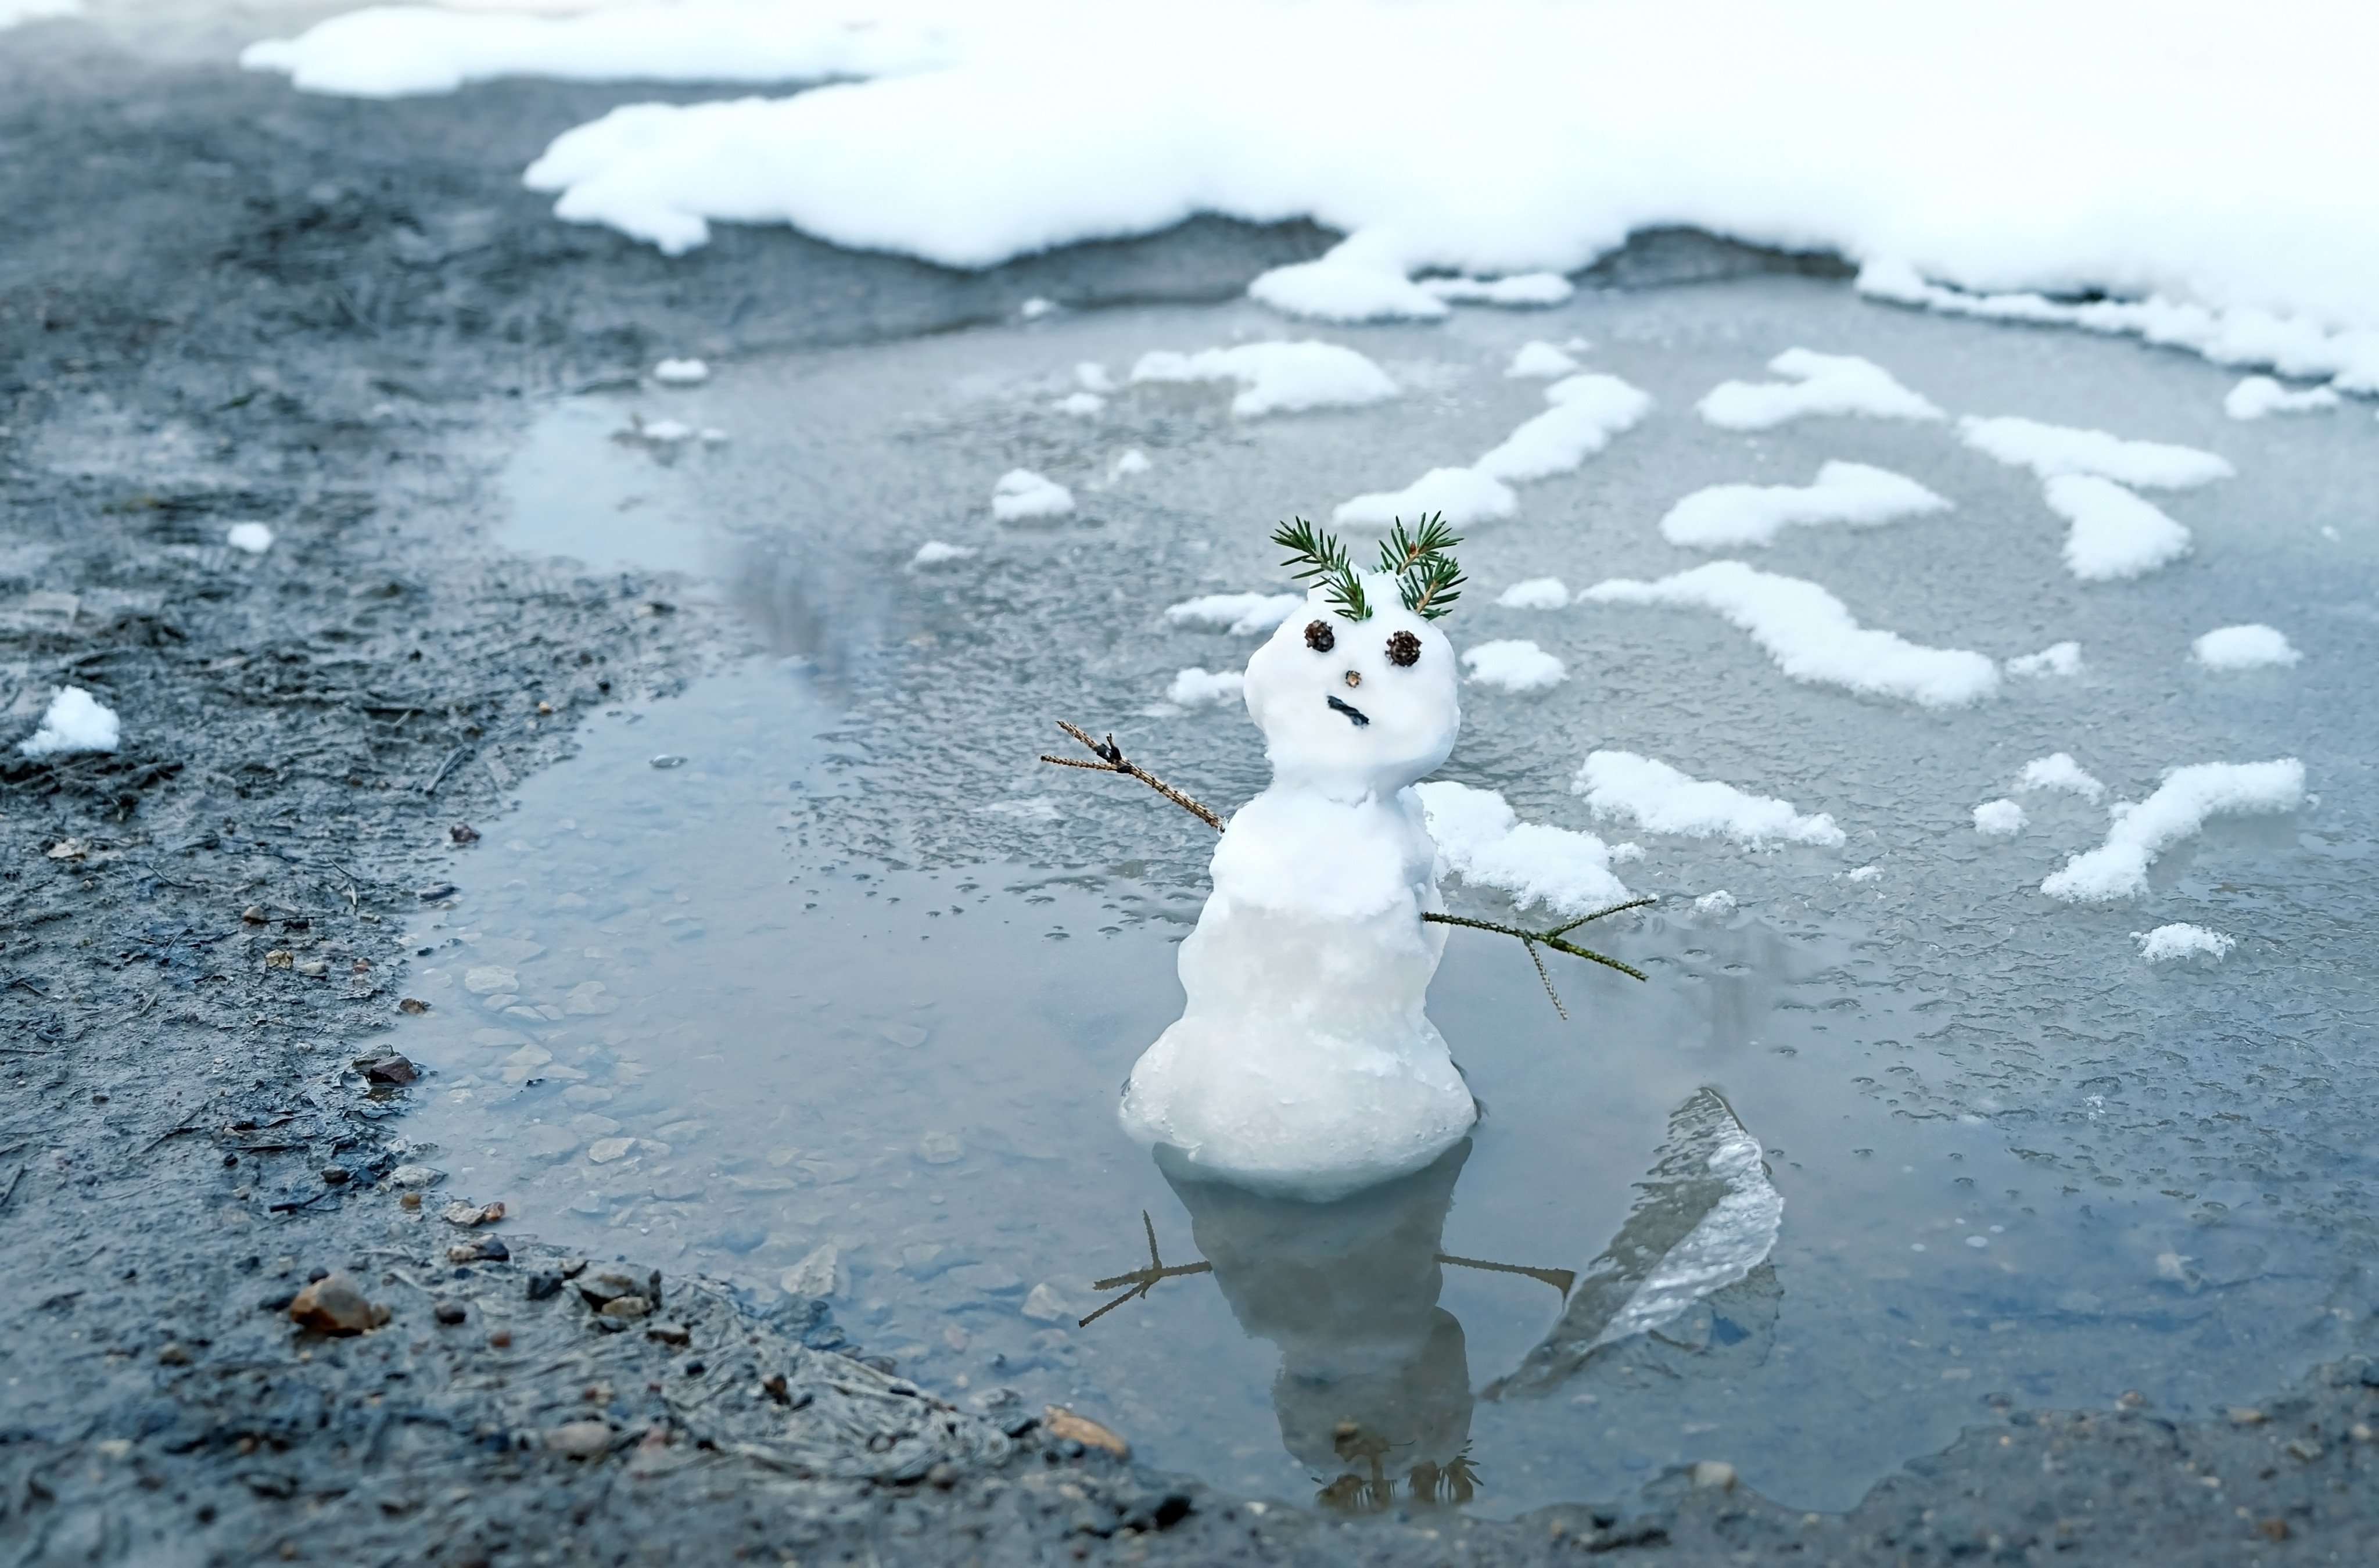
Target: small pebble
{"points": [[334, 1176], [449, 1312], [500, 1340]]}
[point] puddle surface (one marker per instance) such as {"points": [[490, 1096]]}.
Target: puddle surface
{"points": [[840, 1002]]}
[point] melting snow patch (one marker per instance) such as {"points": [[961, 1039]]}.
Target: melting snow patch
{"points": [[2059, 772], [1032, 309], [1521, 289], [1540, 360], [1482, 840], [76, 721], [1816, 383], [2182, 941], [2114, 534], [15, 11], [1725, 515], [2118, 868], [1276, 377], [1082, 402], [1514, 666], [1022, 493], [1347, 284], [1999, 819], [1812, 637], [1537, 593], [1239, 613], [2050, 450], [2243, 647], [1128, 463], [1864, 873], [1196, 688], [2259, 395], [1586, 412], [1463, 495], [1092, 375], [680, 372], [2058, 658], [934, 552], [1660, 800], [1718, 905], [253, 537]]}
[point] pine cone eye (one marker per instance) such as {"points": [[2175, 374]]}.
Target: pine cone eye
{"points": [[1404, 650], [1320, 638]]}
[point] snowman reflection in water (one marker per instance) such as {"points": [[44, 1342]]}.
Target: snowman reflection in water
{"points": [[1305, 1110]]}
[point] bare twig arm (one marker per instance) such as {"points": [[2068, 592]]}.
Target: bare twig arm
{"points": [[1552, 938], [1112, 760]]}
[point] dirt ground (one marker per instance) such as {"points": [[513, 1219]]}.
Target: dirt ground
{"points": [[222, 301]]}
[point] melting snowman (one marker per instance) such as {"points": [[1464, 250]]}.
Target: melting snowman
{"points": [[1305, 1064]]}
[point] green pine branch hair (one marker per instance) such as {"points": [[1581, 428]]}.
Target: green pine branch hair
{"points": [[1421, 560], [1318, 557]]}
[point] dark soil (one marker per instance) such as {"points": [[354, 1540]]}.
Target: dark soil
{"points": [[221, 301]]}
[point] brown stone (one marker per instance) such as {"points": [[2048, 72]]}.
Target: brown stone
{"points": [[335, 1304], [1061, 1422]]}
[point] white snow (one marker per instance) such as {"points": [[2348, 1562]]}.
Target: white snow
{"points": [[1725, 515], [1811, 635], [1717, 905], [2056, 659], [968, 134], [1131, 460], [74, 721], [1536, 592], [2252, 647], [254, 539], [2118, 868], [1464, 495], [15, 11], [934, 552], [1864, 873], [1032, 309], [1999, 819], [2258, 396], [2060, 771], [1022, 493], [1815, 383], [2178, 941], [1276, 377], [1586, 412], [667, 433], [1196, 688], [1092, 375], [1521, 289], [2050, 450], [1238, 613], [680, 372], [1660, 799], [1482, 840], [1514, 666], [1080, 403], [1540, 358], [2114, 534]]}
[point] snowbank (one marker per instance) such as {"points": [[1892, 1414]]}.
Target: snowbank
{"points": [[1726, 515], [1552, 131], [1278, 377], [1239, 613], [1464, 495], [1023, 494], [1999, 819], [2258, 396], [74, 721], [2114, 534], [1196, 688], [1482, 840], [1538, 358], [2182, 941], [1659, 799], [1536, 592], [2050, 450], [1811, 636], [2118, 868], [2056, 659], [1815, 383], [1586, 412], [1514, 666], [2252, 647], [2060, 771]]}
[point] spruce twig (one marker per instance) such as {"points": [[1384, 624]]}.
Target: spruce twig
{"points": [[1421, 560], [1320, 557], [1112, 760]]}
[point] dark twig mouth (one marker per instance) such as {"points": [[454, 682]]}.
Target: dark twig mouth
{"points": [[1360, 719]]}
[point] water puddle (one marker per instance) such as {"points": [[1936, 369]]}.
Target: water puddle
{"points": [[814, 981]]}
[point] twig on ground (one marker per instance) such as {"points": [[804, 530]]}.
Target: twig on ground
{"points": [[1112, 760]]}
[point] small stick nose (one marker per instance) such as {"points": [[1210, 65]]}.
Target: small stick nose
{"points": [[1354, 678]]}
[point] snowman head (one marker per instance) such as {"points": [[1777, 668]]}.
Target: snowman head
{"points": [[1357, 694]]}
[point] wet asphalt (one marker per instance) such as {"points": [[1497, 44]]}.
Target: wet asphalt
{"points": [[222, 301]]}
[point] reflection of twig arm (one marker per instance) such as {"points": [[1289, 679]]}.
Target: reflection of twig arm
{"points": [[1142, 1280], [1112, 760]]}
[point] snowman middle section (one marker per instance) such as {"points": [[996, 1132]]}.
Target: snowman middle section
{"points": [[1304, 1062]]}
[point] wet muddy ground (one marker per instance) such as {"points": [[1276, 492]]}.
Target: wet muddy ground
{"points": [[223, 302]]}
